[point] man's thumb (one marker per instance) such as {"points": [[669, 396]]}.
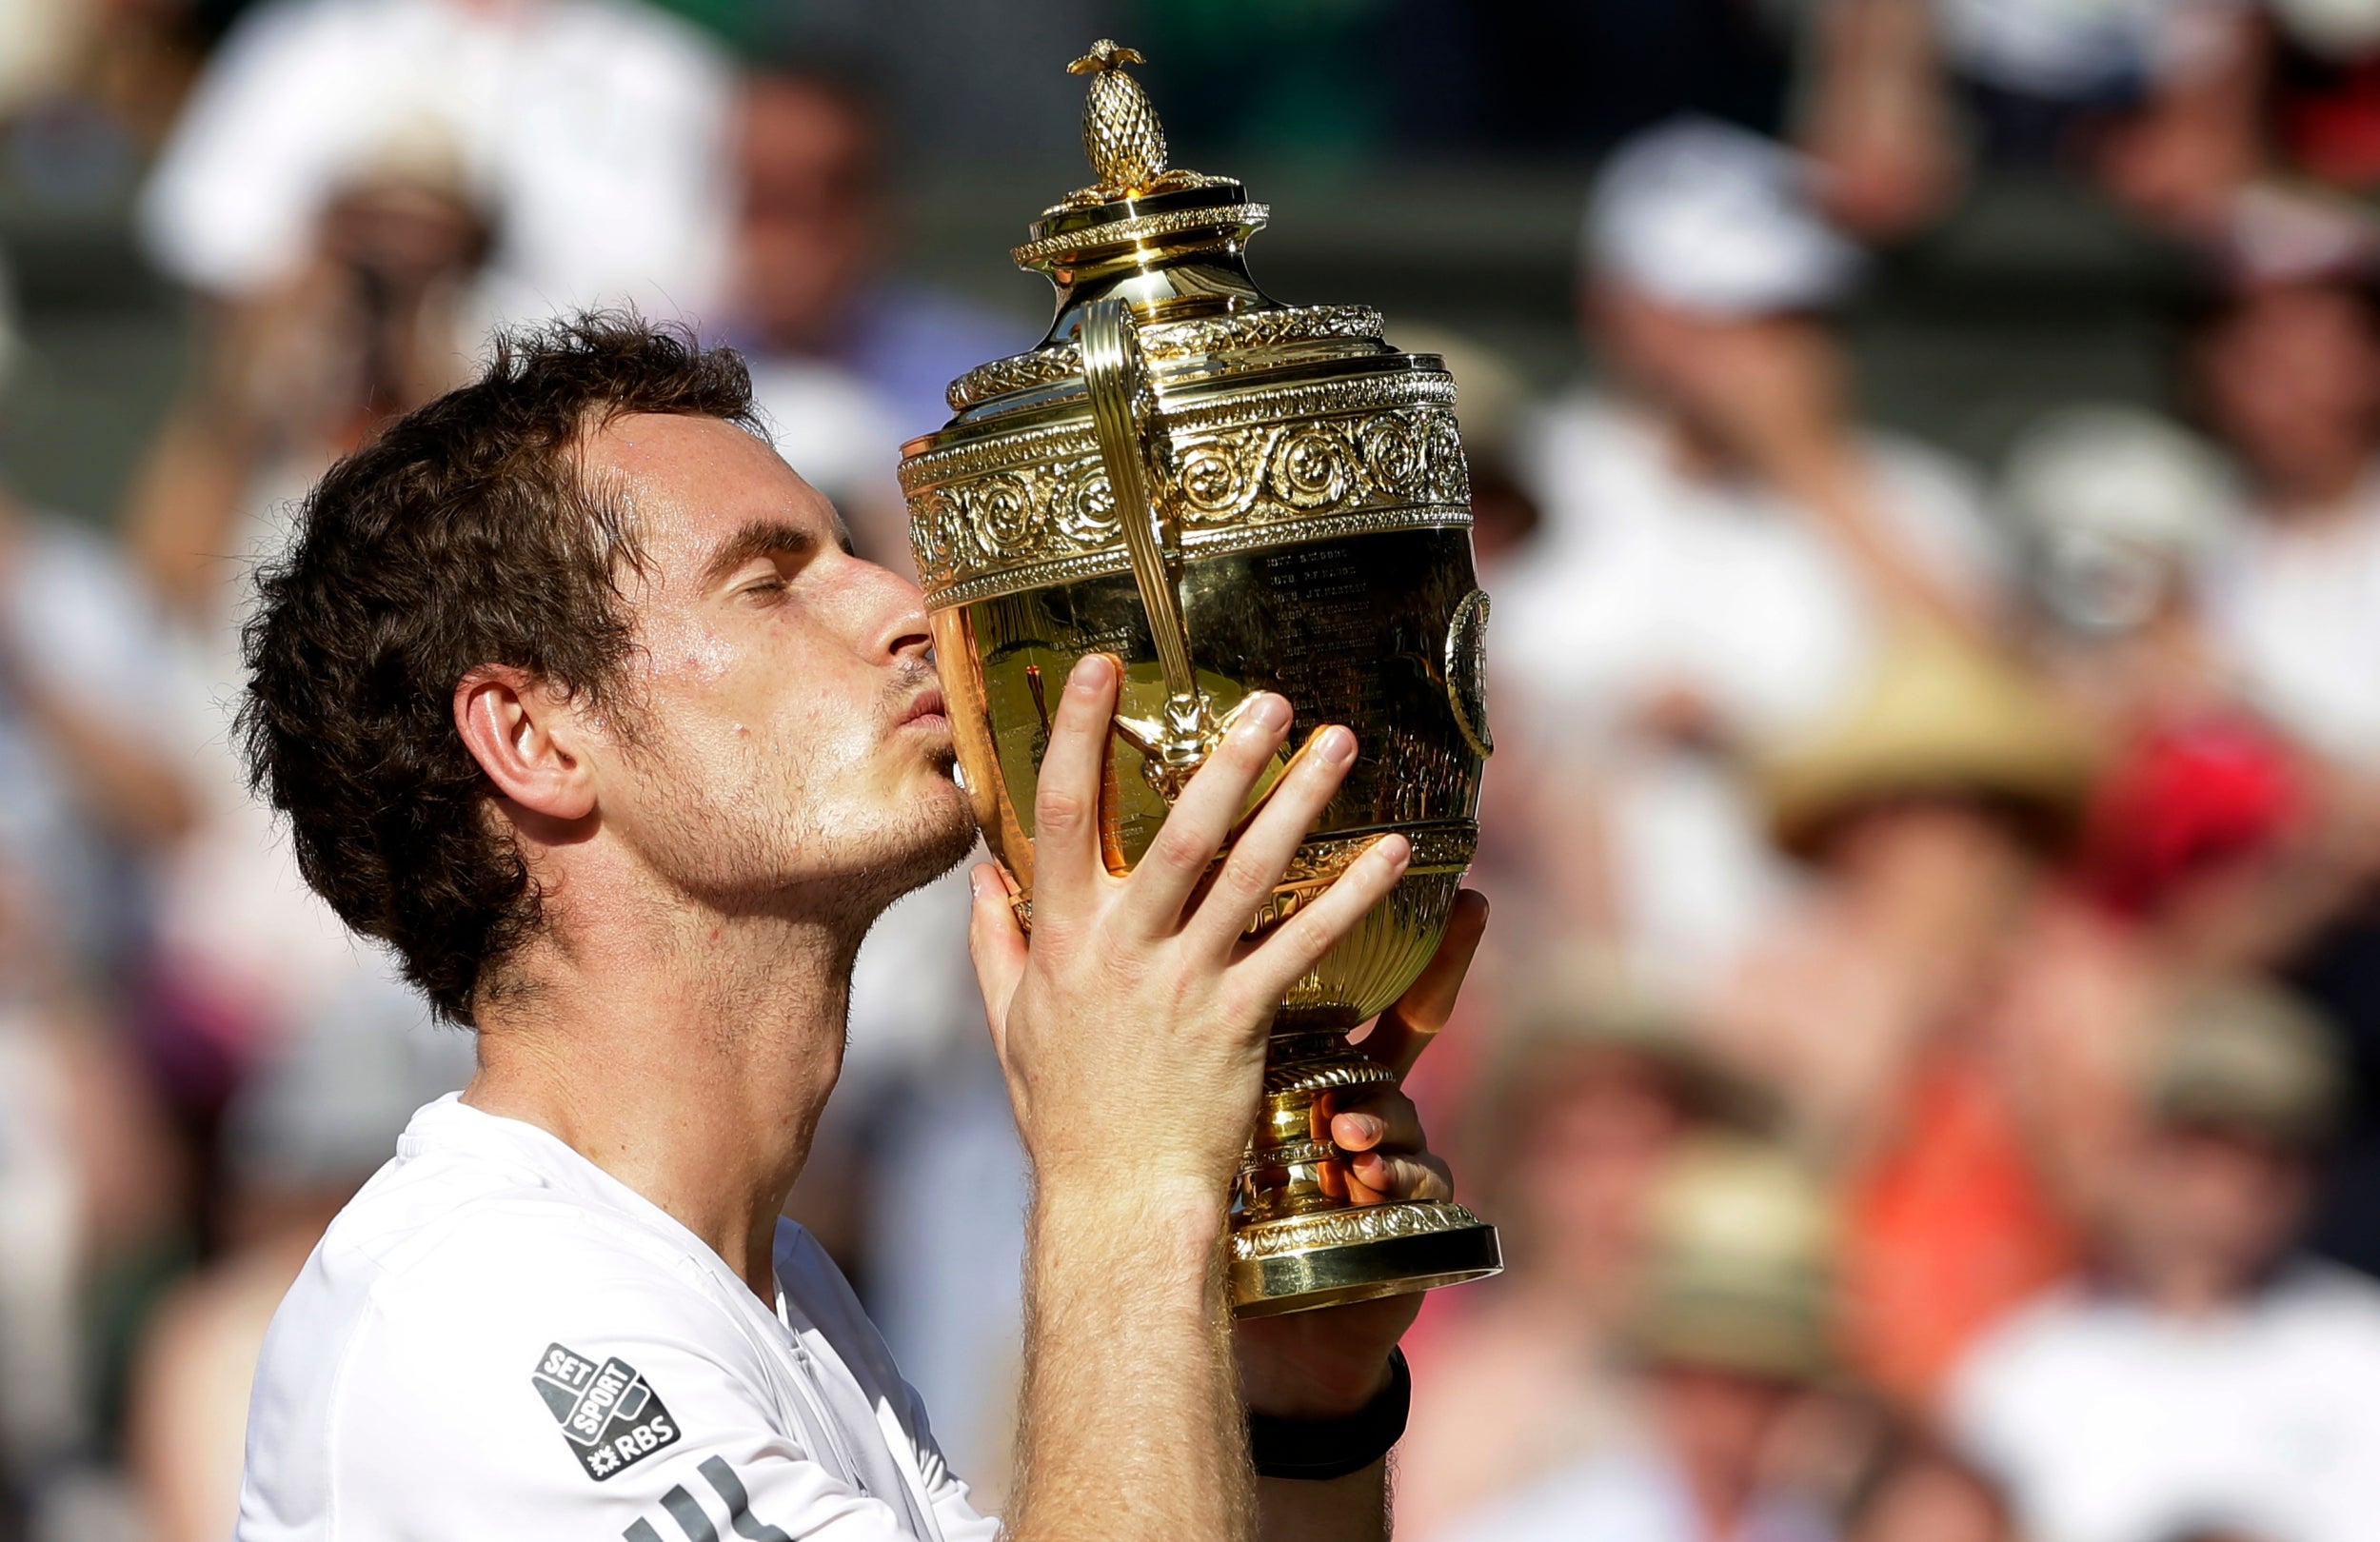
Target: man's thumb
{"points": [[996, 942]]}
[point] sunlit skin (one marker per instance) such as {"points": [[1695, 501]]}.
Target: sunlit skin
{"points": [[712, 839], [1719, 1425], [1601, 1126], [787, 734], [812, 227], [2205, 1213], [2291, 379]]}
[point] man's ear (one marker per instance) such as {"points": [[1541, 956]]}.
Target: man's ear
{"points": [[527, 738]]}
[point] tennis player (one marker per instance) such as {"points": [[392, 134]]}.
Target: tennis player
{"points": [[575, 697]]}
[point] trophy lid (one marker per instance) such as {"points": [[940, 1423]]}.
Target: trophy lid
{"points": [[1168, 240], [1174, 411]]}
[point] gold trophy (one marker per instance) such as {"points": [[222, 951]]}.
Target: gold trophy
{"points": [[1229, 495]]}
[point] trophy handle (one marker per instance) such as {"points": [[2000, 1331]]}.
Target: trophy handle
{"points": [[1132, 441]]}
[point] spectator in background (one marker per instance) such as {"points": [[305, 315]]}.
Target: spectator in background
{"points": [[591, 131], [2285, 362], [2119, 509], [88, 1176], [1594, 1092], [846, 362], [304, 1136], [368, 326], [1945, 1032], [2203, 1380], [2160, 100], [87, 786], [2199, 838], [1724, 549], [1731, 1333], [2217, 843], [90, 1182]]}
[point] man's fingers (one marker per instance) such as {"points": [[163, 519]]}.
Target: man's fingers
{"points": [[996, 943], [1184, 848], [1388, 1158], [1066, 798], [1405, 1030], [1264, 848], [1385, 1122], [1297, 945], [1372, 1178]]}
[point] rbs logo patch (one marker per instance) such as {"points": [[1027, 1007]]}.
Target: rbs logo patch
{"points": [[611, 1417]]}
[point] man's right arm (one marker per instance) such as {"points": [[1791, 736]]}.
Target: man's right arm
{"points": [[1132, 1031]]}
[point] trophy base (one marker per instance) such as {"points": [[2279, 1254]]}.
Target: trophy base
{"points": [[1300, 1263]]}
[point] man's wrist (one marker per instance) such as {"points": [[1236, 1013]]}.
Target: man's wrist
{"points": [[1299, 1390], [1320, 1449], [1161, 1211]]}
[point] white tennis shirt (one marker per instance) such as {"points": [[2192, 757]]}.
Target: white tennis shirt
{"points": [[497, 1340]]}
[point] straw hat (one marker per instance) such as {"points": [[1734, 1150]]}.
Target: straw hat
{"points": [[1939, 718], [2243, 1055], [1741, 1271], [1583, 1001]]}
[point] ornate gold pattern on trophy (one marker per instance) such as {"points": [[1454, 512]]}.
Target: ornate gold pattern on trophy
{"points": [[1221, 343], [987, 516]]}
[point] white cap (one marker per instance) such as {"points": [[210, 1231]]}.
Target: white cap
{"points": [[2118, 503], [1717, 220], [2116, 470]]}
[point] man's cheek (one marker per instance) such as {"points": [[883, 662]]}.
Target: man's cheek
{"points": [[682, 651]]}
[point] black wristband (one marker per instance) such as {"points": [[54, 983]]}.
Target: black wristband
{"points": [[1318, 1450]]}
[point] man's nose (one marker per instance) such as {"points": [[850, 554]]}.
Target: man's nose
{"points": [[901, 632]]}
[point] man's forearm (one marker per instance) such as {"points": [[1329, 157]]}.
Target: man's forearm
{"points": [[1132, 1429], [1352, 1508]]}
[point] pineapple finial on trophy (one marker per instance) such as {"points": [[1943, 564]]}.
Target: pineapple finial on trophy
{"points": [[1121, 132]]}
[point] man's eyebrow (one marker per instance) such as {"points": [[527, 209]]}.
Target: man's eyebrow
{"points": [[759, 538]]}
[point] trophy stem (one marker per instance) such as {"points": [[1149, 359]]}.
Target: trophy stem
{"points": [[1298, 1243]]}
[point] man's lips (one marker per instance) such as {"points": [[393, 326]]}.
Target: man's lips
{"points": [[926, 710]]}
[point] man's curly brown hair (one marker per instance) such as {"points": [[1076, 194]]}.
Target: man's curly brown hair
{"points": [[463, 536]]}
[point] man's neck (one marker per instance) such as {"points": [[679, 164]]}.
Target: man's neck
{"points": [[685, 1053]]}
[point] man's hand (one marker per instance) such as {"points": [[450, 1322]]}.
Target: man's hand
{"points": [[1321, 1365], [1133, 1027], [1132, 1031]]}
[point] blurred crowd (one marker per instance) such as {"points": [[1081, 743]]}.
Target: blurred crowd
{"points": [[1926, 1063]]}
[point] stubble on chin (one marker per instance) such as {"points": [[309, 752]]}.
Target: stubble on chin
{"points": [[944, 832], [786, 844]]}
